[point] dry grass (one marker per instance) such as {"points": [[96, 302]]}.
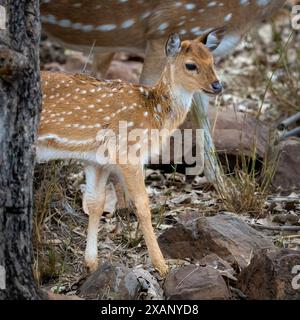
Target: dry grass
{"points": [[246, 188], [285, 91], [57, 211]]}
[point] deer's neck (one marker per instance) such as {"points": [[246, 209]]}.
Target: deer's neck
{"points": [[179, 99]]}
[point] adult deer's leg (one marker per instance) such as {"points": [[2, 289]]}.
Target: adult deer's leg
{"points": [[93, 205], [154, 62], [133, 180], [211, 166], [101, 63]]}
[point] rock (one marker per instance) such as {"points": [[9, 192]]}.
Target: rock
{"points": [[51, 52], [195, 283], [149, 287], [265, 34], [233, 133], [288, 170], [111, 281], [107, 282], [290, 205], [225, 234], [272, 275], [126, 70], [286, 218], [215, 262], [54, 67], [53, 296], [76, 61]]}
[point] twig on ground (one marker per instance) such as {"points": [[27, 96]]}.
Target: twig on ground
{"points": [[275, 228]]}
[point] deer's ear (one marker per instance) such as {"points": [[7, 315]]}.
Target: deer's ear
{"points": [[173, 45], [212, 38]]}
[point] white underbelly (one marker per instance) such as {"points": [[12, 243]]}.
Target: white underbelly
{"points": [[45, 154]]}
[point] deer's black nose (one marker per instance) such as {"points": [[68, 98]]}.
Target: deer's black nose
{"points": [[216, 86]]}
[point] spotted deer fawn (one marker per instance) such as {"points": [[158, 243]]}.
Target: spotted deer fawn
{"points": [[80, 113], [143, 26]]}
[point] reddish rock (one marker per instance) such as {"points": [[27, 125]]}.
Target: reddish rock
{"points": [[225, 234], [233, 133], [288, 169], [215, 262], [128, 71], [272, 275], [54, 296], [196, 283]]}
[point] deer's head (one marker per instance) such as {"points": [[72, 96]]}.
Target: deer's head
{"points": [[192, 62]]}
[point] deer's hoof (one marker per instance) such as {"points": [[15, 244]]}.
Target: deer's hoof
{"points": [[91, 265], [163, 270]]}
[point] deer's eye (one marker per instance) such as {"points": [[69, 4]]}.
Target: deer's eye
{"points": [[191, 66]]}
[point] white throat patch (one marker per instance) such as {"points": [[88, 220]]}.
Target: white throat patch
{"points": [[182, 97]]}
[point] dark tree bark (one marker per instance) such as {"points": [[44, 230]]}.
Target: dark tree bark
{"points": [[20, 104]]}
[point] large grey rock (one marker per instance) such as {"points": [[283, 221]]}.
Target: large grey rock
{"points": [[109, 282], [224, 234], [116, 281]]}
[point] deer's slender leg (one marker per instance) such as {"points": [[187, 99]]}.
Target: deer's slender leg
{"points": [[101, 63], [133, 180], [93, 205]]}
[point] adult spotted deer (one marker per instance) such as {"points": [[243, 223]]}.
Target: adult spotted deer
{"points": [[143, 26], [81, 115]]}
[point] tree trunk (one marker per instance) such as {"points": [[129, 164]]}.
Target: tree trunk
{"points": [[20, 104]]}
